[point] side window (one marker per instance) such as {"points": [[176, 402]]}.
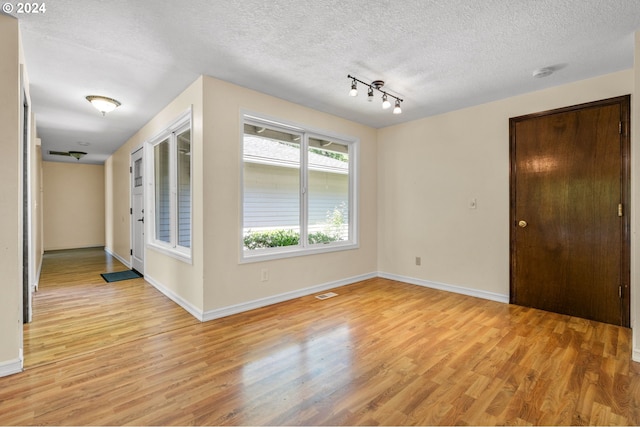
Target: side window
{"points": [[162, 175], [172, 203], [184, 188], [137, 173]]}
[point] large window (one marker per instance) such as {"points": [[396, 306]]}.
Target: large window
{"points": [[298, 190], [171, 181]]}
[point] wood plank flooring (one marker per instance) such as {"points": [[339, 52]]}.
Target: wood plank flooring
{"points": [[380, 353], [76, 311]]}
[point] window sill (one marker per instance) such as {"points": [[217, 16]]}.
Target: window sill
{"points": [[271, 254], [181, 256]]}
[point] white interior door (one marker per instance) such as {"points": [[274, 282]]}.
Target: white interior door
{"points": [[137, 211]]}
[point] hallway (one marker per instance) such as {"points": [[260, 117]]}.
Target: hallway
{"points": [[77, 312]]}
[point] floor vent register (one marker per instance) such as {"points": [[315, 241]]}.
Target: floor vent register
{"points": [[327, 295]]}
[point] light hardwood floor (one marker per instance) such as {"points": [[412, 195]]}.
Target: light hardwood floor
{"points": [[381, 352]]}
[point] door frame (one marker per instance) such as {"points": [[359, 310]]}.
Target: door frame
{"points": [[131, 217], [625, 148], [28, 253]]}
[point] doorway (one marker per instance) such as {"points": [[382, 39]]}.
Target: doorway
{"points": [[569, 213], [26, 213], [137, 211]]}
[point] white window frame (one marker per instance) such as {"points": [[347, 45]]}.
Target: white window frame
{"points": [[303, 248], [173, 249]]}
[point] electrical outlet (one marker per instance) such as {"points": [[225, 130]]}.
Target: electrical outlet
{"points": [[418, 260], [264, 275]]}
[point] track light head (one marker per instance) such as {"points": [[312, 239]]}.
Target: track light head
{"points": [[354, 89], [370, 94], [397, 109], [385, 102]]}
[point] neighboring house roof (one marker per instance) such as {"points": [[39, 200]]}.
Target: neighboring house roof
{"points": [[271, 152]]}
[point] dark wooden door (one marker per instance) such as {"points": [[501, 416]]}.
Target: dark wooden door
{"points": [[569, 205]]}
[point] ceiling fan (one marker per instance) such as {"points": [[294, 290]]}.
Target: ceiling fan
{"points": [[75, 154]]}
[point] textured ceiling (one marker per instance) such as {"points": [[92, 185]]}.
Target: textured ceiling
{"points": [[437, 55]]}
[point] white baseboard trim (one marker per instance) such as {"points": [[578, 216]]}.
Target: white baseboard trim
{"points": [[275, 299], [10, 367], [118, 257], [449, 288], [190, 308], [70, 248], [636, 355], [262, 302]]}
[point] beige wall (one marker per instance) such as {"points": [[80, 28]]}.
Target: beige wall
{"points": [[117, 203], [226, 281], [10, 198], [73, 205], [183, 281], [109, 220]]}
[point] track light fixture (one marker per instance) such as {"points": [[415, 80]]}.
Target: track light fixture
{"points": [[377, 85]]}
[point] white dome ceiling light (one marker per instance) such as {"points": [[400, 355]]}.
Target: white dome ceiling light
{"points": [[103, 104]]}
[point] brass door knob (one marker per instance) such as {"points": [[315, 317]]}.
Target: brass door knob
{"points": [[522, 223]]}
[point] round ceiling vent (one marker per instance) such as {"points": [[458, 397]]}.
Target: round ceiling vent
{"points": [[542, 72]]}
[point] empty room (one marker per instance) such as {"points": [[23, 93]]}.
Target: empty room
{"points": [[320, 213]]}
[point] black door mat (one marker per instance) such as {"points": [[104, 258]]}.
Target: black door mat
{"points": [[120, 275]]}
